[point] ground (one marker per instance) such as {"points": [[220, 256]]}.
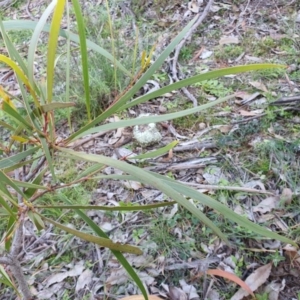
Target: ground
{"points": [[244, 153]]}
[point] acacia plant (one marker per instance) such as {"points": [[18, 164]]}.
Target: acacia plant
{"points": [[33, 145]]}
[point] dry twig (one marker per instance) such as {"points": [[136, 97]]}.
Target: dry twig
{"points": [[181, 44]]}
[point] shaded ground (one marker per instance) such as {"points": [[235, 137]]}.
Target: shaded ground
{"points": [[250, 142]]}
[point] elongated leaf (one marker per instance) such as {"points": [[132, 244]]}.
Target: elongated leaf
{"points": [[90, 170], [207, 201], [120, 257], [4, 278], [19, 165], [25, 24], [147, 120], [37, 180], [144, 176], [84, 59], [14, 159], [38, 28], [19, 72], [48, 157], [5, 125], [156, 65], [56, 105], [110, 208], [10, 226], [157, 152], [103, 242], [6, 194], [6, 207], [36, 220], [52, 45], [194, 79], [29, 185], [51, 107], [12, 51], [16, 116], [6, 180], [224, 210]]}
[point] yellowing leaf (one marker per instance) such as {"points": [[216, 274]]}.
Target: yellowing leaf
{"points": [[20, 139], [6, 98]]}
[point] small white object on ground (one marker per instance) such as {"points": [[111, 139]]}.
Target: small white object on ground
{"points": [[146, 134]]}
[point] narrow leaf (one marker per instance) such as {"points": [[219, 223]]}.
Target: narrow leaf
{"points": [[157, 152], [120, 257], [231, 277], [144, 176], [53, 37], [110, 208], [14, 159], [84, 59], [103, 242], [48, 157], [36, 219]]}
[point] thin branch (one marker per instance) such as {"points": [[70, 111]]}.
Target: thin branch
{"points": [[6, 261], [180, 45]]}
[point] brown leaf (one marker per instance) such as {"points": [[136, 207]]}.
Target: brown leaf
{"points": [[254, 281], [267, 205], [247, 113], [141, 297], [232, 277], [286, 196], [225, 40], [177, 294], [259, 86], [193, 6]]}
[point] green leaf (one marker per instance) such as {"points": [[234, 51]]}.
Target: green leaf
{"points": [[13, 53], [6, 207], [155, 66], [4, 278], [90, 170], [224, 210], [56, 105], [14, 159], [25, 24], [30, 185], [6, 180], [152, 119], [144, 176], [84, 59], [16, 116], [37, 180], [197, 78], [10, 227], [36, 219], [52, 45], [120, 257], [110, 208], [5, 194], [157, 152], [48, 157], [103, 242], [19, 165], [5, 125], [38, 28]]}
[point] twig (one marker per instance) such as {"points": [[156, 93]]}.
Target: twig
{"points": [[180, 45], [6, 261], [85, 140], [229, 188], [16, 269]]}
